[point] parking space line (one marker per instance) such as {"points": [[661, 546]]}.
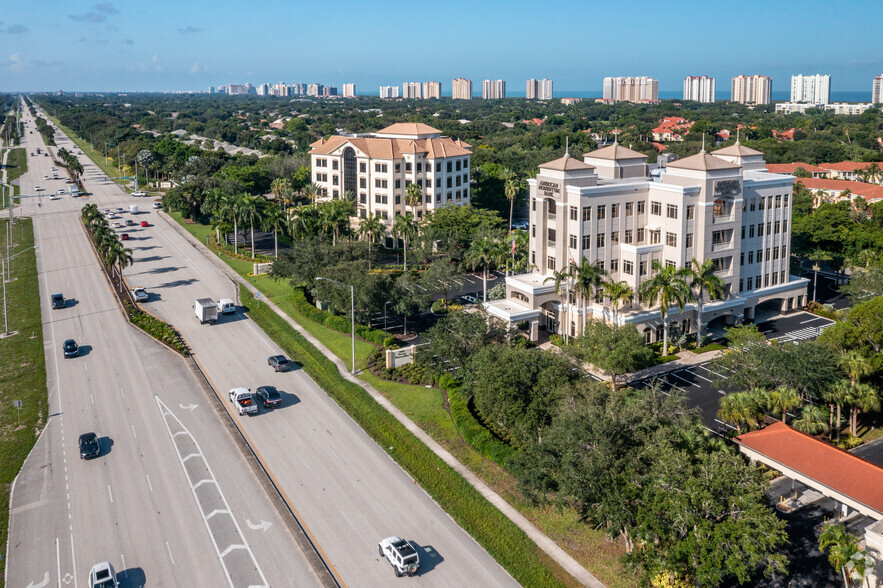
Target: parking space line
{"points": [[695, 374], [684, 379], [711, 371]]}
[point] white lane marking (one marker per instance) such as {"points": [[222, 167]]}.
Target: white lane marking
{"points": [[133, 432], [170, 553], [711, 371], [262, 526], [697, 375], [58, 559], [261, 335], [122, 393], [189, 407], [684, 379], [169, 415], [149, 485], [217, 511], [85, 367], [74, 559], [125, 570], [109, 493], [41, 584], [93, 398]]}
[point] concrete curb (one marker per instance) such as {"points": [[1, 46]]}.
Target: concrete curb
{"points": [[543, 541]]}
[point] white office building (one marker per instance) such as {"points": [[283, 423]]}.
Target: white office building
{"points": [[539, 89], [699, 88], [389, 91], [411, 90], [378, 168], [877, 90], [349, 90], [607, 208], [752, 89], [815, 89], [493, 89], [461, 89], [631, 89], [431, 90]]}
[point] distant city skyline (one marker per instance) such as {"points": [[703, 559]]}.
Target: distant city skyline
{"points": [[112, 46]]}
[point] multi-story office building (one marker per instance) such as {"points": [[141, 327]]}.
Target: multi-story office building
{"points": [[349, 90], [811, 89], [752, 89], [539, 89], [493, 89], [327, 91], [631, 89], [379, 167], [280, 89], [607, 208], [461, 89], [299, 89], [263, 89], [836, 107], [238, 89], [431, 90], [877, 90], [411, 90], [699, 88], [389, 91], [315, 90], [211, 89]]}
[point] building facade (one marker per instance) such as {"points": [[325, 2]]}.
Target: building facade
{"points": [[315, 90], [377, 169], [389, 91], [699, 88], [836, 107], [631, 89], [493, 89], [349, 90], [539, 89], [607, 208], [752, 89], [431, 90], [815, 89], [411, 90], [461, 89], [877, 90]]}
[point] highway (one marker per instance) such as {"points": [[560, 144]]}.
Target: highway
{"points": [[133, 505], [346, 489]]}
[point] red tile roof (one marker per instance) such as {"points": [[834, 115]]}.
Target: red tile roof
{"points": [[660, 147], [784, 135], [790, 168], [849, 166], [865, 190], [839, 470]]}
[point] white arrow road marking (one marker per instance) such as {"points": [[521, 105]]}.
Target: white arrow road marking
{"points": [[41, 584], [262, 526], [188, 406]]}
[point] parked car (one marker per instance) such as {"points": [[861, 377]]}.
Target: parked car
{"points": [[157, 205], [130, 222], [61, 192], [38, 189], [103, 576], [57, 301], [124, 237], [400, 554], [139, 193], [469, 299], [279, 363], [269, 396], [117, 224], [145, 224], [89, 445], [70, 348]]}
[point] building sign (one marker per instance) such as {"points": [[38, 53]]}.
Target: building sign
{"points": [[547, 189], [399, 357], [726, 188]]}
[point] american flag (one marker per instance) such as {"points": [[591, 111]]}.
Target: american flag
{"points": [[513, 246]]}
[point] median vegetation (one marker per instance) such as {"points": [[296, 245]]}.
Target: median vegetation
{"points": [[22, 368], [501, 537]]}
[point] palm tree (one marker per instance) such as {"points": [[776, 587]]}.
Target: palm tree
{"points": [[667, 287], [275, 219], [841, 547], [250, 210], [511, 188], [616, 292], [586, 282], [312, 191], [413, 195], [281, 189], [404, 227], [839, 395], [874, 172], [119, 256], [703, 280], [811, 420], [862, 397], [335, 217], [740, 408], [781, 400], [229, 209], [371, 229], [483, 253], [211, 202], [562, 277], [817, 256]]}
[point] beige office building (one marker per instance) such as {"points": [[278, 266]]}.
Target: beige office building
{"points": [[378, 168], [752, 89], [461, 89], [493, 89], [631, 89], [411, 90], [539, 89], [699, 88], [877, 90], [349, 90], [431, 90], [608, 208]]}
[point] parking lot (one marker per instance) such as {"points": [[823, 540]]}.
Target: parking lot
{"points": [[704, 384]]}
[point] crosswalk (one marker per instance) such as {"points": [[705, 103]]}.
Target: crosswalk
{"points": [[802, 334]]}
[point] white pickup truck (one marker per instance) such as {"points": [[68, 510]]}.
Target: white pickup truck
{"points": [[243, 400], [139, 294], [400, 554]]}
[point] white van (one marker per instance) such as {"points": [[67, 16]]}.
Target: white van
{"points": [[133, 208], [226, 306]]}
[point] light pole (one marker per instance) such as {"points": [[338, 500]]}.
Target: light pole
{"points": [[5, 312], [385, 304], [352, 314]]}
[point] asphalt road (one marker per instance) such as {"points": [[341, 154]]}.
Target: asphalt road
{"points": [[347, 490], [133, 505]]}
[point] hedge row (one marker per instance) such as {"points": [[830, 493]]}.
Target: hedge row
{"points": [[501, 537], [157, 329], [339, 323], [473, 432]]}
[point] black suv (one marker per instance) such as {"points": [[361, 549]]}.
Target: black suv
{"points": [[90, 446], [70, 348], [269, 397], [57, 301]]}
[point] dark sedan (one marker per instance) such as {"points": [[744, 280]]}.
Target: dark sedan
{"points": [[70, 348], [269, 397], [89, 445], [279, 363]]}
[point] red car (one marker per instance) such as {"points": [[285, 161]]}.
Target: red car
{"points": [[145, 224], [124, 237]]}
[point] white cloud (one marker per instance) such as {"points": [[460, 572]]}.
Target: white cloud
{"points": [[195, 68], [14, 62]]}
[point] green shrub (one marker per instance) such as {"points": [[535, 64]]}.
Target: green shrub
{"points": [[157, 329], [338, 323], [848, 442], [472, 431]]}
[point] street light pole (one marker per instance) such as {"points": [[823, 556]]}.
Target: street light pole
{"points": [[4, 265], [352, 315]]}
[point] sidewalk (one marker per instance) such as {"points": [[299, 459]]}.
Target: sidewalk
{"points": [[545, 543]]}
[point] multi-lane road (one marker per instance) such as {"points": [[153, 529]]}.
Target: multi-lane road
{"points": [[171, 500]]}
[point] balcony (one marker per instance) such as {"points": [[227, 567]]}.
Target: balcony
{"points": [[722, 246], [724, 218]]}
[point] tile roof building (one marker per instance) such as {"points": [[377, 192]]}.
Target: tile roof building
{"points": [[377, 169], [608, 208], [828, 190]]}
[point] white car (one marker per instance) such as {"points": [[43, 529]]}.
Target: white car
{"points": [[112, 215], [116, 224], [157, 205], [54, 197], [119, 210], [139, 293], [102, 576], [400, 554], [61, 192], [53, 168], [139, 193], [38, 189]]}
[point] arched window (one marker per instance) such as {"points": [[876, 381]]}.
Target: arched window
{"points": [[349, 170]]}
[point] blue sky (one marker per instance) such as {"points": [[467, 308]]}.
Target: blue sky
{"points": [[162, 45]]}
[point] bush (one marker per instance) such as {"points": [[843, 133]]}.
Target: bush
{"points": [[438, 307], [338, 323], [472, 431], [157, 329], [848, 442]]}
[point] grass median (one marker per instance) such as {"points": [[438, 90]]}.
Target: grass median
{"points": [[22, 368], [501, 537]]}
